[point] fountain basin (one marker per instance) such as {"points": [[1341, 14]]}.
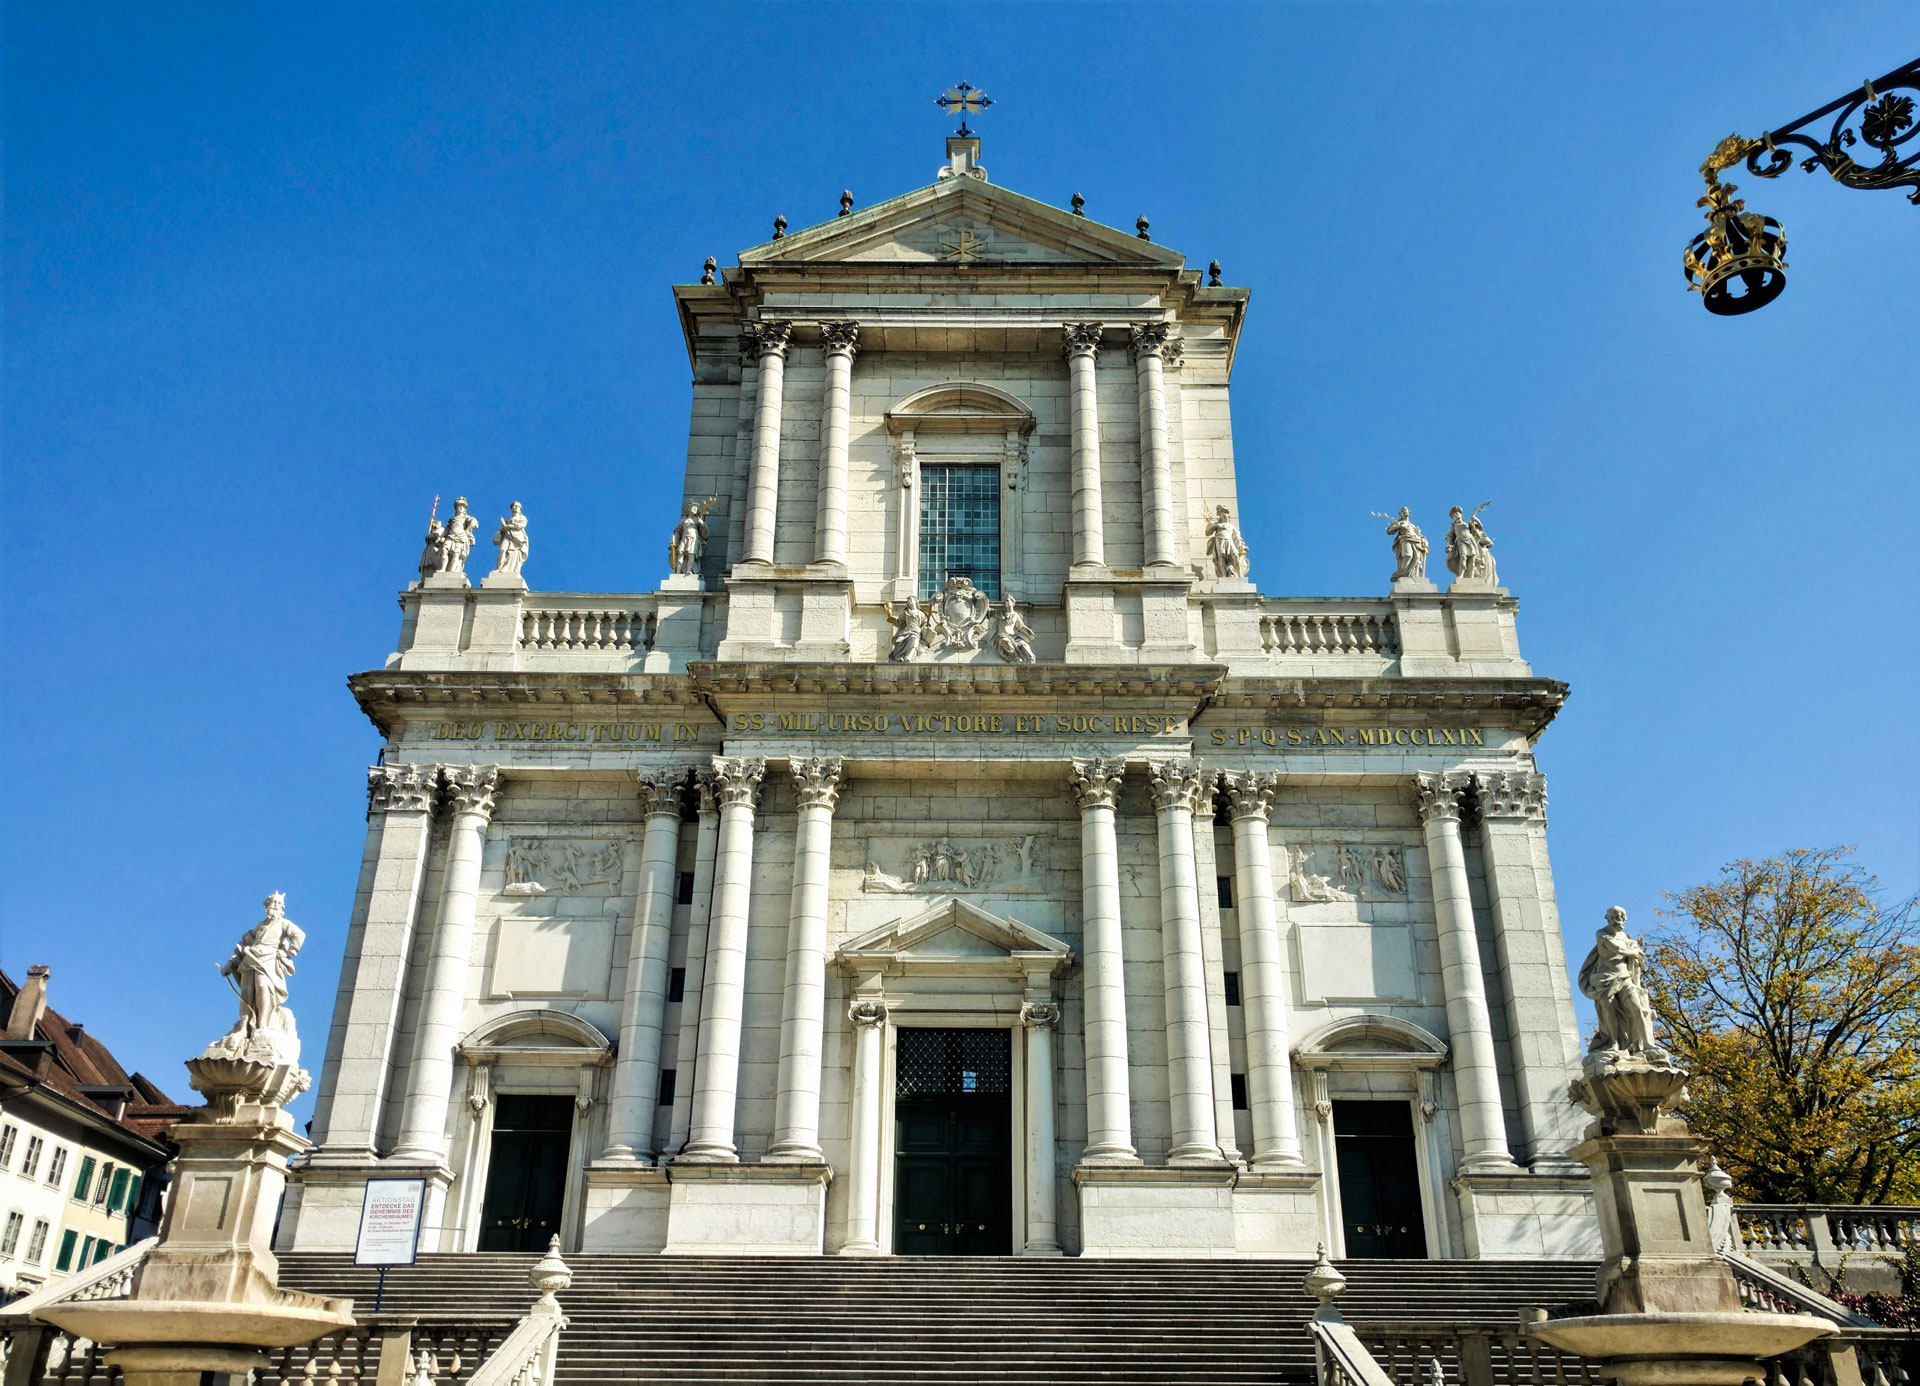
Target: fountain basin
{"points": [[154, 1322], [1682, 1349]]}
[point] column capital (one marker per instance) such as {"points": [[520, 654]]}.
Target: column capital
{"points": [[1177, 784], [840, 338], [1147, 339], [706, 788], [1517, 794], [1437, 795], [471, 788], [1040, 1015], [1096, 783], [1081, 338], [1251, 792], [661, 790], [770, 338], [737, 780], [401, 788], [818, 780], [867, 1013]]}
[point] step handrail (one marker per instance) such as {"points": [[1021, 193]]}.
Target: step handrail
{"points": [[108, 1279], [528, 1355], [1759, 1280], [1341, 1359]]}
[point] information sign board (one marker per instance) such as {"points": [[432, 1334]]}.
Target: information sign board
{"points": [[390, 1222]]}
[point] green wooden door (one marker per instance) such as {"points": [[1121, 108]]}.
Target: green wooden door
{"points": [[527, 1176], [1379, 1180], [953, 1144]]}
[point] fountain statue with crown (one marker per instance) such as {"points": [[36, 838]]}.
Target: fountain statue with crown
{"points": [[1672, 1313], [207, 1298]]}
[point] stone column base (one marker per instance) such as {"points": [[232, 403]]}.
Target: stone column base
{"points": [[1528, 1216], [626, 1208], [1156, 1210], [746, 1210]]}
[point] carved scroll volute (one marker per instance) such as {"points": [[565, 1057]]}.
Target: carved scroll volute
{"points": [[1515, 794], [737, 780], [1096, 783], [1040, 1015], [1436, 795], [867, 1013], [818, 780], [1251, 792], [471, 788], [1178, 784]]}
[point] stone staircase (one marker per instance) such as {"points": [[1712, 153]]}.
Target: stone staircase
{"points": [[948, 1321]]}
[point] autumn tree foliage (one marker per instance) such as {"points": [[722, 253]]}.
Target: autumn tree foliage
{"points": [[1791, 988]]}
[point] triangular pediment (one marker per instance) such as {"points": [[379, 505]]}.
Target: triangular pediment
{"points": [[962, 222], [954, 932]]}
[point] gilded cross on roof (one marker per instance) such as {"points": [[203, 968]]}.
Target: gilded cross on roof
{"points": [[968, 100]]}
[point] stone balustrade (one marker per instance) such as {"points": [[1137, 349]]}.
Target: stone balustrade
{"points": [[1370, 631], [1789, 1233], [603, 625]]}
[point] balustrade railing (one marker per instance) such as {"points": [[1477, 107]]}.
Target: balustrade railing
{"points": [[1824, 1231], [1447, 1354], [1330, 633], [614, 626]]}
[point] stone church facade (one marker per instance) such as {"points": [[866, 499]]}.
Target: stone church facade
{"points": [[957, 853]]}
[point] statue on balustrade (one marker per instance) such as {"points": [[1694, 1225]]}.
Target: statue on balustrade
{"points": [[430, 555], [511, 540], [1013, 637], [1612, 977], [689, 539], [456, 539], [1225, 546], [1470, 547], [1409, 545]]}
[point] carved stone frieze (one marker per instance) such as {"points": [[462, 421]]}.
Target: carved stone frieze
{"points": [[1320, 873], [1250, 792], [471, 788], [949, 866], [567, 866], [1518, 794], [1178, 784], [401, 788], [1096, 783], [737, 780], [1436, 795], [818, 780]]}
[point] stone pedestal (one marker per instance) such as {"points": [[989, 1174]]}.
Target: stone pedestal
{"points": [[747, 1210], [1156, 1210]]}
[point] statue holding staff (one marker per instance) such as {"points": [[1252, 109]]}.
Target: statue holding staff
{"points": [[258, 970], [689, 538], [1409, 545]]}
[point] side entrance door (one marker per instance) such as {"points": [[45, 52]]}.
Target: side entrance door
{"points": [[953, 1143], [527, 1176], [1379, 1179]]}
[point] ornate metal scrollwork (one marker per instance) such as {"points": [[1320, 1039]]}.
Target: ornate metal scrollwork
{"points": [[1885, 121]]}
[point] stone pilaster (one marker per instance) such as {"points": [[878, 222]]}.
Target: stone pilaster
{"points": [[1082, 348], [763, 481], [643, 1012], [868, 1017], [699, 916], [1177, 788], [841, 339], [1043, 1196], [470, 792], [1148, 343], [1476, 1073], [717, 1082], [1096, 786], [796, 1113], [1263, 972]]}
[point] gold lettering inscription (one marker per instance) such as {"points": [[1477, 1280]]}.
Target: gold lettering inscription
{"points": [[1358, 738]]}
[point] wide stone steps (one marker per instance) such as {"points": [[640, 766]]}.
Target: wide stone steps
{"points": [[946, 1321]]}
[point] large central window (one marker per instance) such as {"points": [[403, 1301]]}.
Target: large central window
{"points": [[959, 527]]}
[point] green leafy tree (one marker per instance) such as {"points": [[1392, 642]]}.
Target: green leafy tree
{"points": [[1792, 990]]}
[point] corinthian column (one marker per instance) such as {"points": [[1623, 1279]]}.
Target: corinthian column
{"points": [[796, 1110], [830, 519], [717, 1082], [1263, 973], [1082, 346], [1043, 1197], [636, 1076], [1149, 340], [470, 791], [1096, 785], [1476, 1074], [1177, 788], [763, 483], [869, 1020], [366, 1016]]}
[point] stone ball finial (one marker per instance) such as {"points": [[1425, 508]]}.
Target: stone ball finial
{"points": [[1213, 274], [846, 203], [779, 228], [1079, 205], [706, 270], [1140, 228]]}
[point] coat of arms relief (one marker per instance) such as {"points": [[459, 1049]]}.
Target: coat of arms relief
{"points": [[1319, 873], [949, 866]]}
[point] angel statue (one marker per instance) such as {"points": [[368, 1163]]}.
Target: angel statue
{"points": [[261, 963], [1469, 547], [1612, 977], [689, 539], [909, 630], [1013, 637], [1409, 545], [511, 540], [1225, 545]]}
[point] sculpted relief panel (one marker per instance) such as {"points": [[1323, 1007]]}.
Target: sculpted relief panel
{"points": [[952, 866], [1319, 873], [537, 865]]}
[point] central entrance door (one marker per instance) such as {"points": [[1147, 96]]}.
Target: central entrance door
{"points": [[953, 1143], [527, 1176], [1379, 1179]]}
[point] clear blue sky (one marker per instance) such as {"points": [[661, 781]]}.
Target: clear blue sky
{"points": [[276, 275]]}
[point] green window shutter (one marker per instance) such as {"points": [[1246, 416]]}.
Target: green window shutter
{"points": [[117, 1198], [102, 1250], [83, 1183], [68, 1240], [133, 1196]]}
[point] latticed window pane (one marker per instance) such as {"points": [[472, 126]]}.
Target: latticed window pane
{"points": [[959, 527], [943, 1063]]}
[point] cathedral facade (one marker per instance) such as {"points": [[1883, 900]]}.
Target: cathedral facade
{"points": [[957, 853]]}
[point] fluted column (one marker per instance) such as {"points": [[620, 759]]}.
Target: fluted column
{"points": [[1148, 342], [763, 481], [699, 916], [1096, 785], [636, 1074], [869, 1020], [796, 1110], [830, 518], [717, 1083], [1476, 1074], [359, 1062], [470, 793], [1177, 787], [1043, 1196], [1263, 972], [1082, 347]]}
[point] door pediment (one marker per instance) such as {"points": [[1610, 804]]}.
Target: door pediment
{"points": [[954, 938]]}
